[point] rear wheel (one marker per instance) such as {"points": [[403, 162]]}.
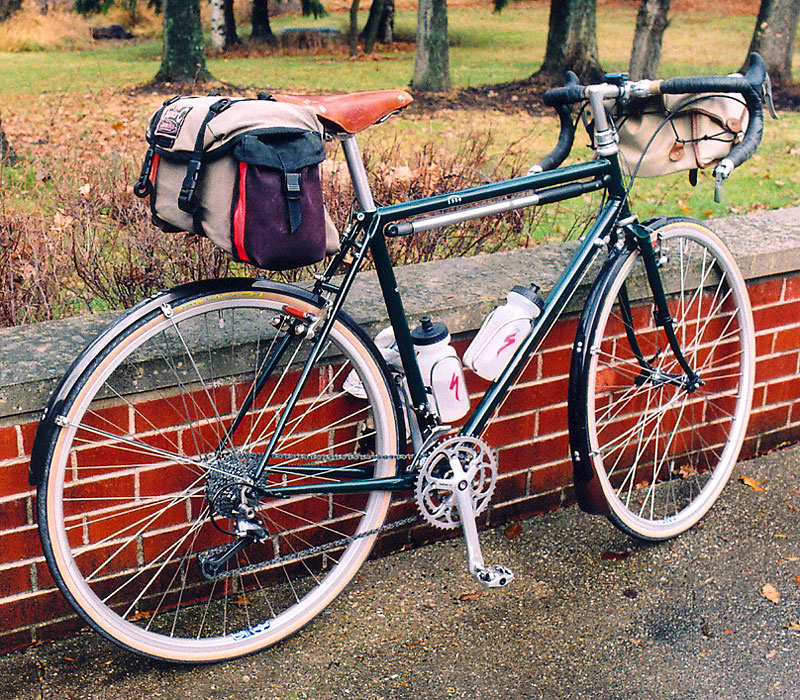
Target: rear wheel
{"points": [[146, 513], [662, 446]]}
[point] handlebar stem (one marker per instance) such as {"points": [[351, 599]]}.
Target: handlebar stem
{"points": [[604, 135]]}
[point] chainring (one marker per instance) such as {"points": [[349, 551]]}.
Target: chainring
{"points": [[436, 485]]}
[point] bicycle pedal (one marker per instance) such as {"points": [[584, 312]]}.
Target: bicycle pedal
{"points": [[494, 576]]}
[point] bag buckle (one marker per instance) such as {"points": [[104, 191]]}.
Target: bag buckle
{"points": [[189, 187], [142, 187], [293, 185]]}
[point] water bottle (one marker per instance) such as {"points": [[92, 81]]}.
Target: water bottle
{"points": [[502, 332], [441, 369], [387, 346]]}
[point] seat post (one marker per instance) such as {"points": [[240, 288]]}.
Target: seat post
{"points": [[358, 173]]}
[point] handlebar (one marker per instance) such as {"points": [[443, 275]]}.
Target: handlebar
{"points": [[753, 87]]}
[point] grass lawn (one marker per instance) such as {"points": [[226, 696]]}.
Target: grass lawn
{"points": [[77, 127]]}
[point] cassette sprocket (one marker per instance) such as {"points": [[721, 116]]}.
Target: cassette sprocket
{"points": [[437, 484]]}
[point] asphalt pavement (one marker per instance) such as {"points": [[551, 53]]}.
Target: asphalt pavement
{"points": [[712, 615]]}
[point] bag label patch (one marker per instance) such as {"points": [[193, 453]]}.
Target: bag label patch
{"points": [[172, 120]]}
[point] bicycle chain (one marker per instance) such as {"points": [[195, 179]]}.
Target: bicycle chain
{"points": [[296, 556]]}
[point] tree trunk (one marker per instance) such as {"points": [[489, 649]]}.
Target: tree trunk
{"points": [[386, 28], [370, 31], [184, 58], [7, 155], [774, 37], [261, 28], [432, 60], [230, 24], [219, 40], [650, 25], [380, 24], [571, 42], [8, 8], [352, 33]]}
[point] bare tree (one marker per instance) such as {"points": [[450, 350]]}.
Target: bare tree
{"points": [[651, 21], [183, 58], [432, 59], [262, 31], [774, 37], [571, 41]]}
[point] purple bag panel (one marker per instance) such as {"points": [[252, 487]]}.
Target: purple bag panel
{"points": [[262, 230]]}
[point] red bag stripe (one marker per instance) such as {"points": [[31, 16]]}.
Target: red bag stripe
{"points": [[154, 169], [239, 215]]}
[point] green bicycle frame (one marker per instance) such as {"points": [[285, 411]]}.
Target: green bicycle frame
{"points": [[369, 232]]}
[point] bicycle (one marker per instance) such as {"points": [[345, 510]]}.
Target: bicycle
{"points": [[206, 486]]}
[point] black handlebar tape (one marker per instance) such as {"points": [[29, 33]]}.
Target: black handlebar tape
{"points": [[566, 137], [749, 86]]}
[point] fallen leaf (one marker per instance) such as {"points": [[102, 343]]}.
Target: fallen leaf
{"points": [[794, 626], [513, 530], [85, 190], [772, 654], [729, 630], [470, 596], [630, 593], [792, 558], [754, 484], [770, 593], [611, 555]]}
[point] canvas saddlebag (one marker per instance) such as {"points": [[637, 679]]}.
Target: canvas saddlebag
{"points": [[699, 131], [244, 173]]}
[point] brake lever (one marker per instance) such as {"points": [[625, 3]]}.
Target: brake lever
{"points": [[766, 90]]}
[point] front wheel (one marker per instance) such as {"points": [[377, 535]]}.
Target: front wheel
{"points": [[662, 446], [147, 516]]}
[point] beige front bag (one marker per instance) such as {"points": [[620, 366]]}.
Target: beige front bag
{"points": [[699, 132]]}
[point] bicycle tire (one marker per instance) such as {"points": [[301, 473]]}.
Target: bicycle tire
{"points": [[661, 449], [135, 469]]}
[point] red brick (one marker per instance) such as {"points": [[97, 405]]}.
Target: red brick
{"points": [[555, 476], [765, 420], [8, 443], [28, 434], [14, 513], [792, 288], [13, 641], [764, 343], [16, 545], [553, 420], [759, 394], [59, 629], [555, 363], [770, 440], [182, 409], [777, 367], [562, 334], [783, 391], [510, 487], [27, 610], [787, 339], [776, 315], [15, 580], [766, 292]]}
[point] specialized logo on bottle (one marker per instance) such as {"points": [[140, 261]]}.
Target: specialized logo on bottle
{"points": [[454, 383], [508, 340]]}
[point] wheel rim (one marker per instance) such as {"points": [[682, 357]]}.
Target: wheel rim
{"points": [[662, 448], [147, 536]]}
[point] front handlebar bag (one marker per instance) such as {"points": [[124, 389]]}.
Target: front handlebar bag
{"points": [[243, 173], [670, 133]]}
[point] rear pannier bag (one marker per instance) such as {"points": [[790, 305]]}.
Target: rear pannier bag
{"points": [[244, 173], [670, 133]]}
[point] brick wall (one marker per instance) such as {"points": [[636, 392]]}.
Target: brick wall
{"points": [[535, 470]]}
